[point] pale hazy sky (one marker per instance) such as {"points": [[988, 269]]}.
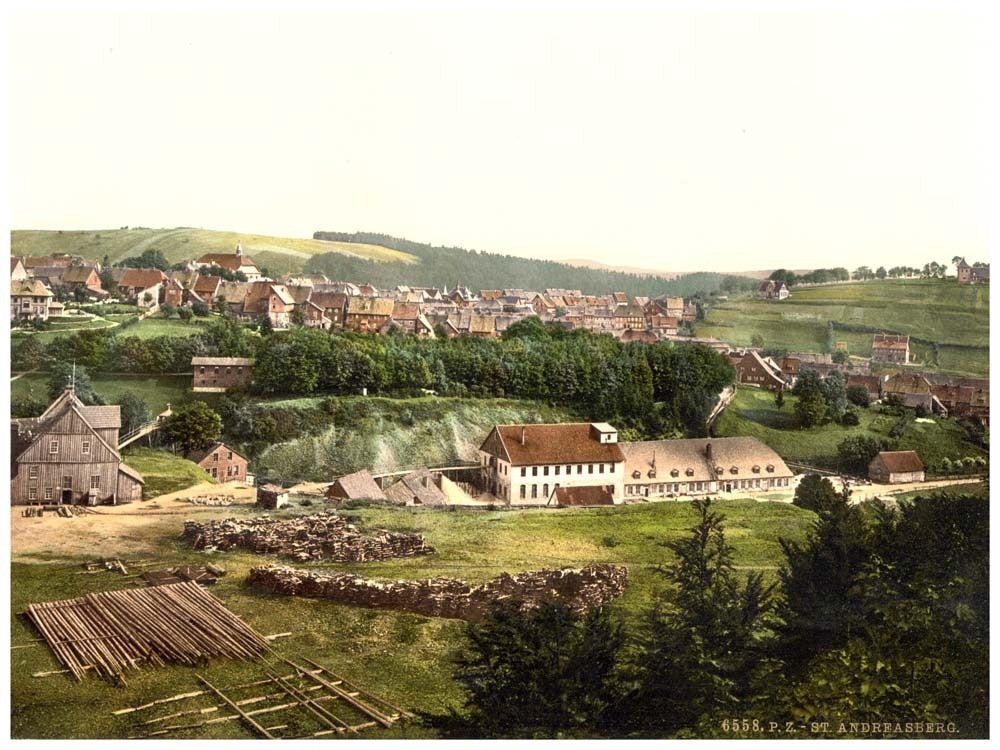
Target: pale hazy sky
{"points": [[677, 136]]}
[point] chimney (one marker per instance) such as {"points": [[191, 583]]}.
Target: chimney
{"points": [[708, 451], [522, 434]]}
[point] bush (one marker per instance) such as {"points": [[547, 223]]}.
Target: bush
{"points": [[185, 313], [920, 411], [199, 308], [850, 418], [858, 395]]}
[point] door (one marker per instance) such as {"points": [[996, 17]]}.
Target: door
{"points": [[67, 497]]}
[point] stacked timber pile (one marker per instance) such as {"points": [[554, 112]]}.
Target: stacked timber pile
{"points": [[581, 589], [206, 575], [323, 536], [211, 500], [114, 631]]}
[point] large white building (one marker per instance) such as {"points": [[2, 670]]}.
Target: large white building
{"points": [[525, 464], [702, 466]]}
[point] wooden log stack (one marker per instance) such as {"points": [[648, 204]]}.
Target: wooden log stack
{"points": [[322, 536], [115, 631]]}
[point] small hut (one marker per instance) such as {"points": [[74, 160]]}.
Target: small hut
{"points": [[271, 496]]}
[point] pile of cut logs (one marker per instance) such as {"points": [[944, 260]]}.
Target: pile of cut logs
{"points": [[581, 589], [212, 500], [114, 631], [323, 536]]}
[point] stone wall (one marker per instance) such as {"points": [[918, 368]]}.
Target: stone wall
{"points": [[581, 589], [324, 536]]}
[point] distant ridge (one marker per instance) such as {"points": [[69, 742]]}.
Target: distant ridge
{"points": [[455, 266]]}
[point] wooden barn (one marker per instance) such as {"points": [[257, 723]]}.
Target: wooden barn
{"points": [[69, 455], [896, 467]]}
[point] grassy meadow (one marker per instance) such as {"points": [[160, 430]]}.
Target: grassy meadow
{"points": [[948, 313], [156, 390], [279, 254], [163, 472], [403, 657], [754, 414]]}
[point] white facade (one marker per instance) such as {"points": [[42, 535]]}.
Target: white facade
{"points": [[534, 485]]}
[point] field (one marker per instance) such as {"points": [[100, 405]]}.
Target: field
{"points": [[753, 413], [278, 254], [156, 390], [952, 315], [404, 657], [154, 326], [163, 472]]}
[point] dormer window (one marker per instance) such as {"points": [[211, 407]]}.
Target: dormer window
{"points": [[689, 472], [674, 472], [651, 473], [719, 470], [734, 470], [636, 474], [756, 469], [770, 468]]}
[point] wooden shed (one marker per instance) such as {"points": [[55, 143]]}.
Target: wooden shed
{"points": [[896, 467]]}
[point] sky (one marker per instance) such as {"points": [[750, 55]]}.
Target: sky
{"points": [[675, 136]]}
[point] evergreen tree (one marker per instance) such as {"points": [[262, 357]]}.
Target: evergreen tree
{"points": [[541, 673], [64, 374], [700, 648]]}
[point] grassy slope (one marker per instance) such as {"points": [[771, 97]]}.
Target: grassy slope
{"points": [[163, 471], [393, 434], [404, 657], [279, 254], [156, 390], [754, 414], [941, 311]]}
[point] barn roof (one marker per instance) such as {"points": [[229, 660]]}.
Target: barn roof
{"points": [[360, 484], [900, 462]]}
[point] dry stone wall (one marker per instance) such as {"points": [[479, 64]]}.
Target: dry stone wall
{"points": [[581, 589], [324, 536]]}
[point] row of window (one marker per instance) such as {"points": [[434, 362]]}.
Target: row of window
{"points": [[49, 493], [54, 448], [534, 491], [568, 469], [681, 487]]}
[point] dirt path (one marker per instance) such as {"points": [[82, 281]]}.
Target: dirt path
{"points": [[130, 529]]}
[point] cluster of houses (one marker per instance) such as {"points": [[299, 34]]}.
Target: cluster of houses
{"points": [[315, 301], [975, 274], [947, 395]]}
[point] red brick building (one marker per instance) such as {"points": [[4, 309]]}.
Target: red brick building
{"points": [[221, 462], [216, 374]]}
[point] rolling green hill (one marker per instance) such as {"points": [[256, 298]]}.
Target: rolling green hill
{"points": [[943, 312], [278, 254], [455, 266]]}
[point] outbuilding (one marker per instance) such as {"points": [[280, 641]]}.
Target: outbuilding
{"points": [[896, 467]]}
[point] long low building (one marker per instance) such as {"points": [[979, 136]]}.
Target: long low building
{"points": [[702, 466]]}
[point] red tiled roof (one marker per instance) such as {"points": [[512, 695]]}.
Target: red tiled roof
{"points": [[207, 284], [899, 462], [229, 261], [556, 444], [144, 278], [890, 341]]}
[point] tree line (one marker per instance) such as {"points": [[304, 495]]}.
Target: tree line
{"points": [[880, 615], [658, 389], [455, 266]]}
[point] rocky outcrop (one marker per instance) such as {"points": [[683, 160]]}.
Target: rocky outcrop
{"points": [[581, 589], [324, 536]]}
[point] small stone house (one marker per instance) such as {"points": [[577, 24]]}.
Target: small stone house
{"points": [[896, 467], [221, 462], [271, 496]]}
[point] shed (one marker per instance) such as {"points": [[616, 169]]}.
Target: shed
{"points": [[896, 467], [271, 496], [355, 486]]}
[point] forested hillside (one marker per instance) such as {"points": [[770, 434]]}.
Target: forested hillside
{"points": [[455, 266]]}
